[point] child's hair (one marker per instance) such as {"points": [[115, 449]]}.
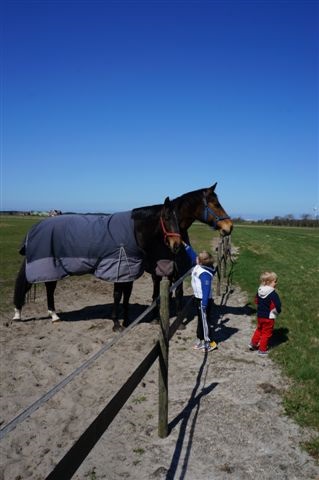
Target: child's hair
{"points": [[267, 277], [205, 258]]}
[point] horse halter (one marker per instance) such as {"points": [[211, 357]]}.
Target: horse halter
{"points": [[166, 233], [208, 210]]}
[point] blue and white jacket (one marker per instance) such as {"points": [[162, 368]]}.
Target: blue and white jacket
{"points": [[202, 277]]}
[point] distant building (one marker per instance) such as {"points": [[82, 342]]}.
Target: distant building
{"points": [[54, 213]]}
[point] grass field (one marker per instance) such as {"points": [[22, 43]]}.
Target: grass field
{"points": [[291, 252]]}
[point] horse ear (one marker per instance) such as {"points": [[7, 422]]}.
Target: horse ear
{"points": [[167, 202], [214, 186]]}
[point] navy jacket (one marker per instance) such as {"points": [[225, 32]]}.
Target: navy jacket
{"points": [[268, 302]]}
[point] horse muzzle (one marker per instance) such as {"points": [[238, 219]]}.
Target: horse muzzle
{"points": [[174, 242], [225, 227]]}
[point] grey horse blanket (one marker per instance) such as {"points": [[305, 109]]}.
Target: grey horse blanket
{"points": [[103, 245]]}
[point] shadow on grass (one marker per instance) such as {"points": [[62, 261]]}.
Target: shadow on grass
{"points": [[279, 336]]}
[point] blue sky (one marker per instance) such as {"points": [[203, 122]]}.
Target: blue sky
{"points": [[111, 105]]}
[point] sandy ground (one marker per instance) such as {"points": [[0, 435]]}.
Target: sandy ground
{"points": [[226, 420]]}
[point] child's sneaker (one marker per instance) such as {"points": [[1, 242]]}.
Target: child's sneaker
{"points": [[252, 347], [213, 345], [262, 354], [200, 345], [210, 346]]}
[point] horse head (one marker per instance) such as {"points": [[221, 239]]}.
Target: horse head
{"points": [[213, 213], [170, 226]]}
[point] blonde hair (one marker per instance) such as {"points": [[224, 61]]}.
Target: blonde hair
{"points": [[267, 277], [205, 258]]}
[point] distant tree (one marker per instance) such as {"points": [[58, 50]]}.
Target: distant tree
{"points": [[238, 220], [305, 220]]}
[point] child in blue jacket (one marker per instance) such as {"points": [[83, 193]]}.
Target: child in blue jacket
{"points": [[268, 307], [202, 278]]}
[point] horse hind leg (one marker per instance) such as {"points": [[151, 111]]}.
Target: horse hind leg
{"points": [[21, 288], [50, 289], [117, 295]]}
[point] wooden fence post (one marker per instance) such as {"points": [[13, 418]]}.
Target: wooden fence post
{"points": [[163, 359]]}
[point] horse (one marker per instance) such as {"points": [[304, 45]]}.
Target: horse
{"points": [[113, 247], [202, 205]]}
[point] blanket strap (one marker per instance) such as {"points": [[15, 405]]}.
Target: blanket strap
{"points": [[122, 253]]}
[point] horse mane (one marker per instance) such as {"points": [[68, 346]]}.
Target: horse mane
{"points": [[188, 199], [143, 213]]}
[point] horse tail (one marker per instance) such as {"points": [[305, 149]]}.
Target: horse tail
{"points": [[22, 249], [22, 286], [32, 294]]}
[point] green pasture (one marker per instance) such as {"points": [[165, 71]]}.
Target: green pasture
{"points": [[292, 252]]}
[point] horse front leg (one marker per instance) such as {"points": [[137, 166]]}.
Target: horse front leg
{"points": [[179, 295], [127, 290], [50, 289], [117, 295], [21, 288], [156, 291], [179, 301]]}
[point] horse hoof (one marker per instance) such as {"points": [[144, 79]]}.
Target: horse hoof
{"points": [[54, 317], [181, 327], [117, 328], [17, 315]]}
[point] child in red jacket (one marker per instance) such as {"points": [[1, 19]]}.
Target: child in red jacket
{"points": [[268, 307]]}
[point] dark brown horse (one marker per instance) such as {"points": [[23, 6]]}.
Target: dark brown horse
{"points": [[112, 247], [202, 205]]}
